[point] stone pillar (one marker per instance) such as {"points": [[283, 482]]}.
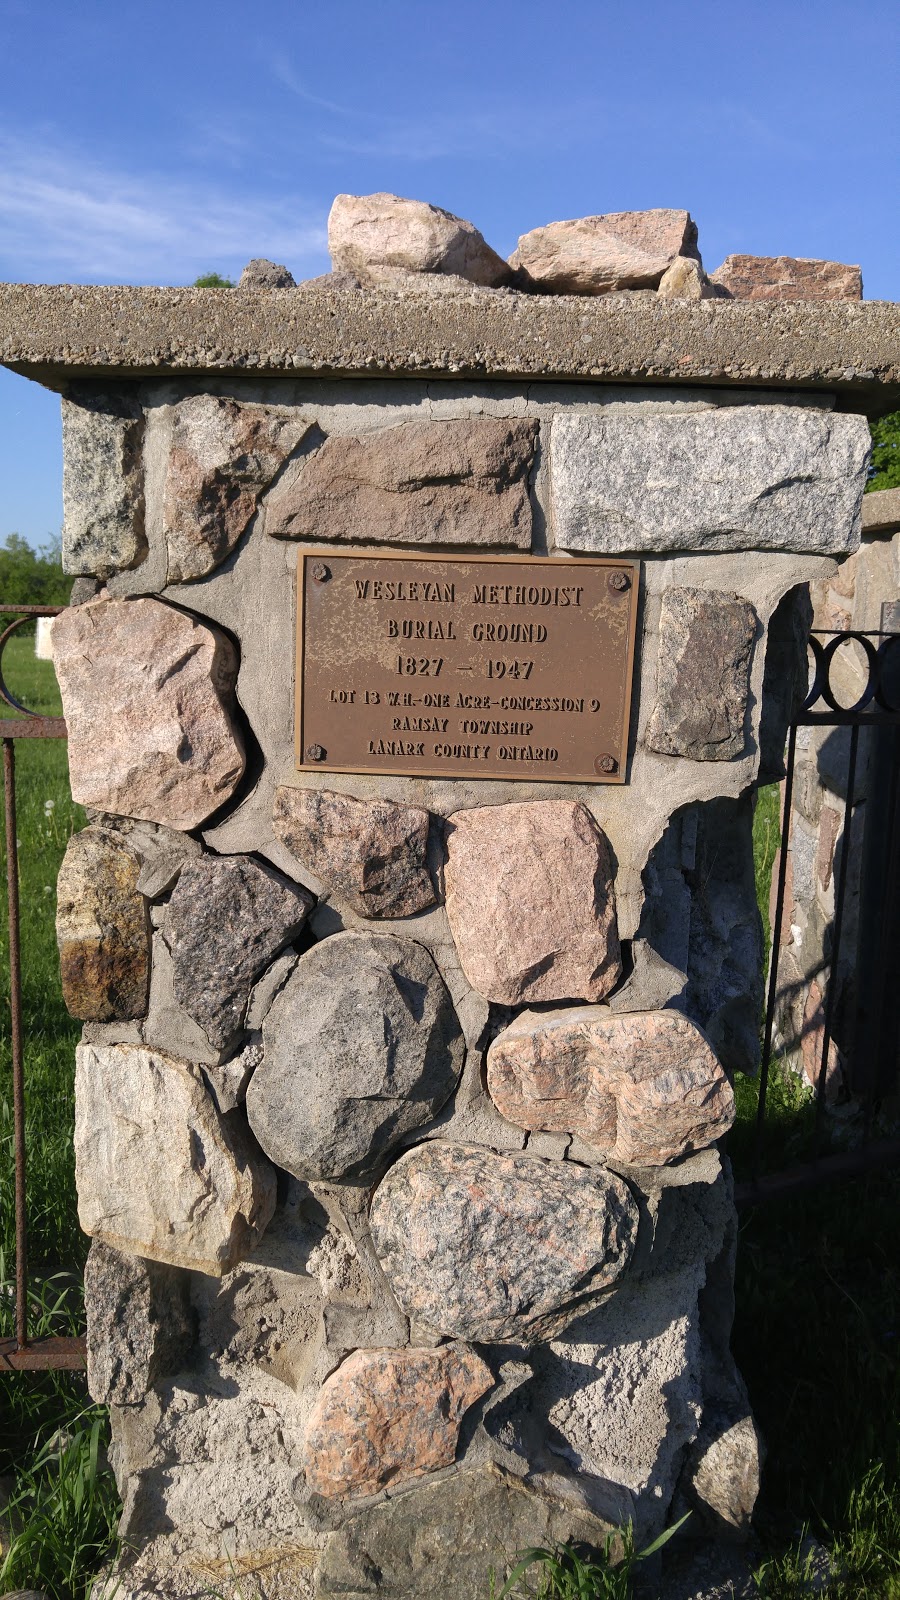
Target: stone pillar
{"points": [[401, 1100]]}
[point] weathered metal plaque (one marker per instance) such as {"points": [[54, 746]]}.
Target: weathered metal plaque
{"points": [[472, 666]]}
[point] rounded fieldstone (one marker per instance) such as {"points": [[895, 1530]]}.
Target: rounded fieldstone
{"points": [[361, 1046], [498, 1249], [389, 1415], [642, 1087]]}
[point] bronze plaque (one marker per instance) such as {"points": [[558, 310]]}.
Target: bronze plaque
{"points": [[464, 666]]}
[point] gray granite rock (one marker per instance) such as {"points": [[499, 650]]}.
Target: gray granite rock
{"points": [[703, 675], [458, 482], [227, 918], [102, 927], [228, 1081], [262, 274], [700, 915], [743, 477], [223, 455], [362, 1045], [444, 1539], [103, 484], [139, 1324], [722, 1473], [82, 590], [372, 852], [499, 1248]]}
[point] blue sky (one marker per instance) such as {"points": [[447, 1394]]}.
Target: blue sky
{"points": [[150, 142]]}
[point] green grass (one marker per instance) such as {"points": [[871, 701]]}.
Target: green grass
{"points": [[563, 1573], [64, 1499]]}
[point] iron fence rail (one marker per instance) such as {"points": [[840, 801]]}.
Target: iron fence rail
{"points": [[877, 1031], [22, 1353]]}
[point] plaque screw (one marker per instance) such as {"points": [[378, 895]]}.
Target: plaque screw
{"points": [[314, 752], [618, 580], [606, 764], [320, 573]]}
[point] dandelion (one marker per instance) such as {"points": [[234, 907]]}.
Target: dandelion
{"points": [[49, 807], [48, 888]]}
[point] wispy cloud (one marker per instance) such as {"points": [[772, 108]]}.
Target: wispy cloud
{"points": [[441, 132], [64, 216]]}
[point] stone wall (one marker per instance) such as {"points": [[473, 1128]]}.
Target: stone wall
{"points": [[400, 1100], [863, 594]]}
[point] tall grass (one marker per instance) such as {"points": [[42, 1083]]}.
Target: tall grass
{"points": [[52, 1440]]}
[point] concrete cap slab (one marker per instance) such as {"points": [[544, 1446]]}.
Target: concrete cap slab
{"points": [[57, 333]]}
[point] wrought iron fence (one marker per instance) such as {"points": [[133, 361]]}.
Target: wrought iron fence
{"points": [[22, 1353], [873, 742]]}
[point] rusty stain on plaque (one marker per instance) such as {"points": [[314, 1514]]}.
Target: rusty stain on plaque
{"points": [[472, 666]]}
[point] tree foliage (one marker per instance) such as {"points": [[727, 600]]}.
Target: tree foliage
{"points": [[213, 280], [32, 577], [884, 472]]}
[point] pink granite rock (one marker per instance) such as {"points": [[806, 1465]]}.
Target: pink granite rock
{"points": [[381, 237], [787, 278], [531, 904], [371, 851], [223, 455], [594, 255], [811, 1041], [147, 694], [389, 1415], [463, 482], [644, 1087]]}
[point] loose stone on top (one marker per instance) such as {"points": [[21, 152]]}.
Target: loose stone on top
{"points": [[787, 278], [461, 482], [499, 1249], [361, 1046], [372, 852], [595, 255], [147, 695], [381, 238], [227, 918], [703, 678], [643, 1087], [530, 901], [389, 1415]]}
